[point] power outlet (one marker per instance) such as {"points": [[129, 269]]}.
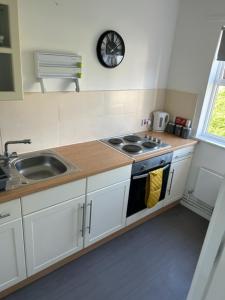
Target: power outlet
{"points": [[145, 122]]}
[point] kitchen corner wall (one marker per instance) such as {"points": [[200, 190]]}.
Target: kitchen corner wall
{"points": [[197, 32], [179, 103], [55, 119]]}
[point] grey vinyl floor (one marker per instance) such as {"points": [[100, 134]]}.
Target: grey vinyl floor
{"points": [[155, 261]]}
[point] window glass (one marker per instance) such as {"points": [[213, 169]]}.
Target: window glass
{"points": [[216, 125]]}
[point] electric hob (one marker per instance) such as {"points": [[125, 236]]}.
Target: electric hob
{"points": [[134, 144]]}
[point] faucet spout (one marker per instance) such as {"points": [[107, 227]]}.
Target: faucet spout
{"points": [[6, 152]]}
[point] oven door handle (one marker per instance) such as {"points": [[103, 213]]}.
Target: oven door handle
{"points": [[140, 176], [146, 175]]}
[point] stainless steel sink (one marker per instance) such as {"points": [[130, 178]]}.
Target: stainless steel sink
{"points": [[33, 167], [40, 167]]}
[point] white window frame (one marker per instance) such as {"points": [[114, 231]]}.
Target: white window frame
{"points": [[214, 82]]}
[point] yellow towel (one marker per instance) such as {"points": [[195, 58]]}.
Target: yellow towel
{"points": [[153, 187]]}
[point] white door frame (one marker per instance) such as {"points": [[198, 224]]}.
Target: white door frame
{"points": [[211, 248]]}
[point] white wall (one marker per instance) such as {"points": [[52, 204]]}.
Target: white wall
{"points": [[122, 96], [147, 27], [198, 28]]}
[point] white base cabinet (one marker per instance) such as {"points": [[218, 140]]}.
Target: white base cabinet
{"points": [[179, 171], [60, 222], [106, 211], [53, 233], [56, 226], [177, 179], [12, 258]]}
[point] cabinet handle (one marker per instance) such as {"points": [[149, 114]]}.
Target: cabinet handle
{"points": [[2, 216], [83, 216], [171, 182], [90, 215]]}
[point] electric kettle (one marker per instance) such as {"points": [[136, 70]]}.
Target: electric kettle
{"points": [[160, 120]]}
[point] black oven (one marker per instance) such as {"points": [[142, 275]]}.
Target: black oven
{"points": [[139, 174]]}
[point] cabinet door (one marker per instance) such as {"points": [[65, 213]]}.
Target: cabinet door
{"points": [[12, 257], [53, 234], [177, 179], [106, 211], [10, 64]]}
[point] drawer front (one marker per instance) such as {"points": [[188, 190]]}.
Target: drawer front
{"points": [[53, 196], [105, 179], [9, 211], [183, 153]]}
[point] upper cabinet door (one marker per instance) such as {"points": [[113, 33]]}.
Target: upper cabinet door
{"points": [[10, 61]]}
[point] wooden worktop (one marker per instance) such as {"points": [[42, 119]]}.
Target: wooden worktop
{"points": [[92, 158]]}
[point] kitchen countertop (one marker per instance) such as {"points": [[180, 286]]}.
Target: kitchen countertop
{"points": [[175, 142], [92, 158]]}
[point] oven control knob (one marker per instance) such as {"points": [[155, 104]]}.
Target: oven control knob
{"points": [[159, 142], [142, 168], [162, 162]]}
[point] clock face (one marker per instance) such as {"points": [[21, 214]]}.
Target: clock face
{"points": [[110, 49]]}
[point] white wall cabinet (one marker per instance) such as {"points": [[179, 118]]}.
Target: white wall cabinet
{"points": [[12, 257], [106, 211], [10, 62], [53, 233]]}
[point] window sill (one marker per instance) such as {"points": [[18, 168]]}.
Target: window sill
{"points": [[210, 141]]}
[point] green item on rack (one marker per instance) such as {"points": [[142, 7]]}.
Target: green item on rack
{"points": [[78, 75], [79, 64]]}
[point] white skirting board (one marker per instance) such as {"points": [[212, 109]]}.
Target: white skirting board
{"points": [[197, 206]]}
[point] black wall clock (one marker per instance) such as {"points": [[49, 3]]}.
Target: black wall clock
{"points": [[110, 49]]}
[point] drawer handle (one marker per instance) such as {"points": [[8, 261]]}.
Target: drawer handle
{"points": [[2, 216], [90, 216]]}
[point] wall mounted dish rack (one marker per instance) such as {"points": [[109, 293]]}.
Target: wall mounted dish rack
{"points": [[57, 65]]}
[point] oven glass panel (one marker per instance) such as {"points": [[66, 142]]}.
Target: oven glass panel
{"points": [[136, 200]]}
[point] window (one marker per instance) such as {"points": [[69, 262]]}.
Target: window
{"points": [[215, 124], [212, 122]]}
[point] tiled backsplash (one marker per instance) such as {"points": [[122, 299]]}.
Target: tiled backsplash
{"points": [[55, 119]]}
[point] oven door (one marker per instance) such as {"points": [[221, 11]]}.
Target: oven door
{"points": [[136, 200]]}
